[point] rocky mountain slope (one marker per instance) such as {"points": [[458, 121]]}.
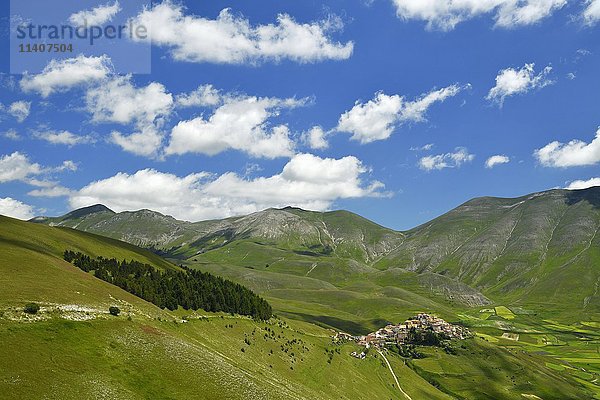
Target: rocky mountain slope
{"points": [[339, 232]]}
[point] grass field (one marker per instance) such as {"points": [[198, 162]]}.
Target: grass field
{"points": [[74, 349]]}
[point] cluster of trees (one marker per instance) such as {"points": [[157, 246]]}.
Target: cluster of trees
{"points": [[31, 308], [407, 351], [169, 289], [425, 337]]}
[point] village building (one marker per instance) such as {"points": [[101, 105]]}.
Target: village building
{"points": [[400, 333]]}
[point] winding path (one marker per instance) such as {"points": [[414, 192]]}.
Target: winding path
{"points": [[394, 375]]}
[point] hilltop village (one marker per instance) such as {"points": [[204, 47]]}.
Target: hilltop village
{"points": [[422, 329]]}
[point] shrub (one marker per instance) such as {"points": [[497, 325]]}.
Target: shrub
{"points": [[114, 310], [31, 308]]}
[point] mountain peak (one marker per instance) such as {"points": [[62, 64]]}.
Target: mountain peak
{"points": [[82, 212], [75, 214]]}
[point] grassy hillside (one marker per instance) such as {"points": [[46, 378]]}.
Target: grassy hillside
{"points": [[532, 261], [74, 349]]}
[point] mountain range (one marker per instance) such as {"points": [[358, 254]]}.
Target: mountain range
{"points": [[538, 247], [521, 274]]}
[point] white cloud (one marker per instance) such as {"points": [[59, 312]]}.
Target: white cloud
{"points": [[591, 14], [15, 209], [66, 166], [496, 160], [233, 40], [446, 14], [378, 118], [62, 137], [306, 181], [241, 123], [17, 167], [425, 147], [118, 100], [581, 184], [572, 154], [20, 110], [414, 111], [526, 12], [97, 16], [62, 75], [448, 160], [315, 138], [571, 76], [203, 96], [144, 142], [373, 120], [510, 82], [11, 134], [51, 191]]}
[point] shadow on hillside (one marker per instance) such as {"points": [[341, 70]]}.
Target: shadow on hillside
{"points": [[591, 195], [328, 322], [29, 246]]}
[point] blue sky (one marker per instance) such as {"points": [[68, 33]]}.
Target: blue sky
{"points": [[410, 103]]}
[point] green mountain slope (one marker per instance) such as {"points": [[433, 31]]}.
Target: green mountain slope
{"points": [[73, 349], [540, 248], [340, 232]]}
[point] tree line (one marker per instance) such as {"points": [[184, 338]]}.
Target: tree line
{"points": [[188, 288]]}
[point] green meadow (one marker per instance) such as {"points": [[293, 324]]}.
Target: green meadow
{"points": [[73, 348]]}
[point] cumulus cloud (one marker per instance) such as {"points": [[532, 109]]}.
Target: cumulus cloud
{"points": [[67, 165], [446, 14], [241, 123], [62, 75], [510, 82], [20, 110], [591, 14], [96, 16], [572, 154], [17, 167], [203, 96], [118, 100], [306, 181], [144, 142], [10, 207], [315, 138], [230, 39], [496, 160], [378, 118], [447, 160], [62, 137], [583, 184]]}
